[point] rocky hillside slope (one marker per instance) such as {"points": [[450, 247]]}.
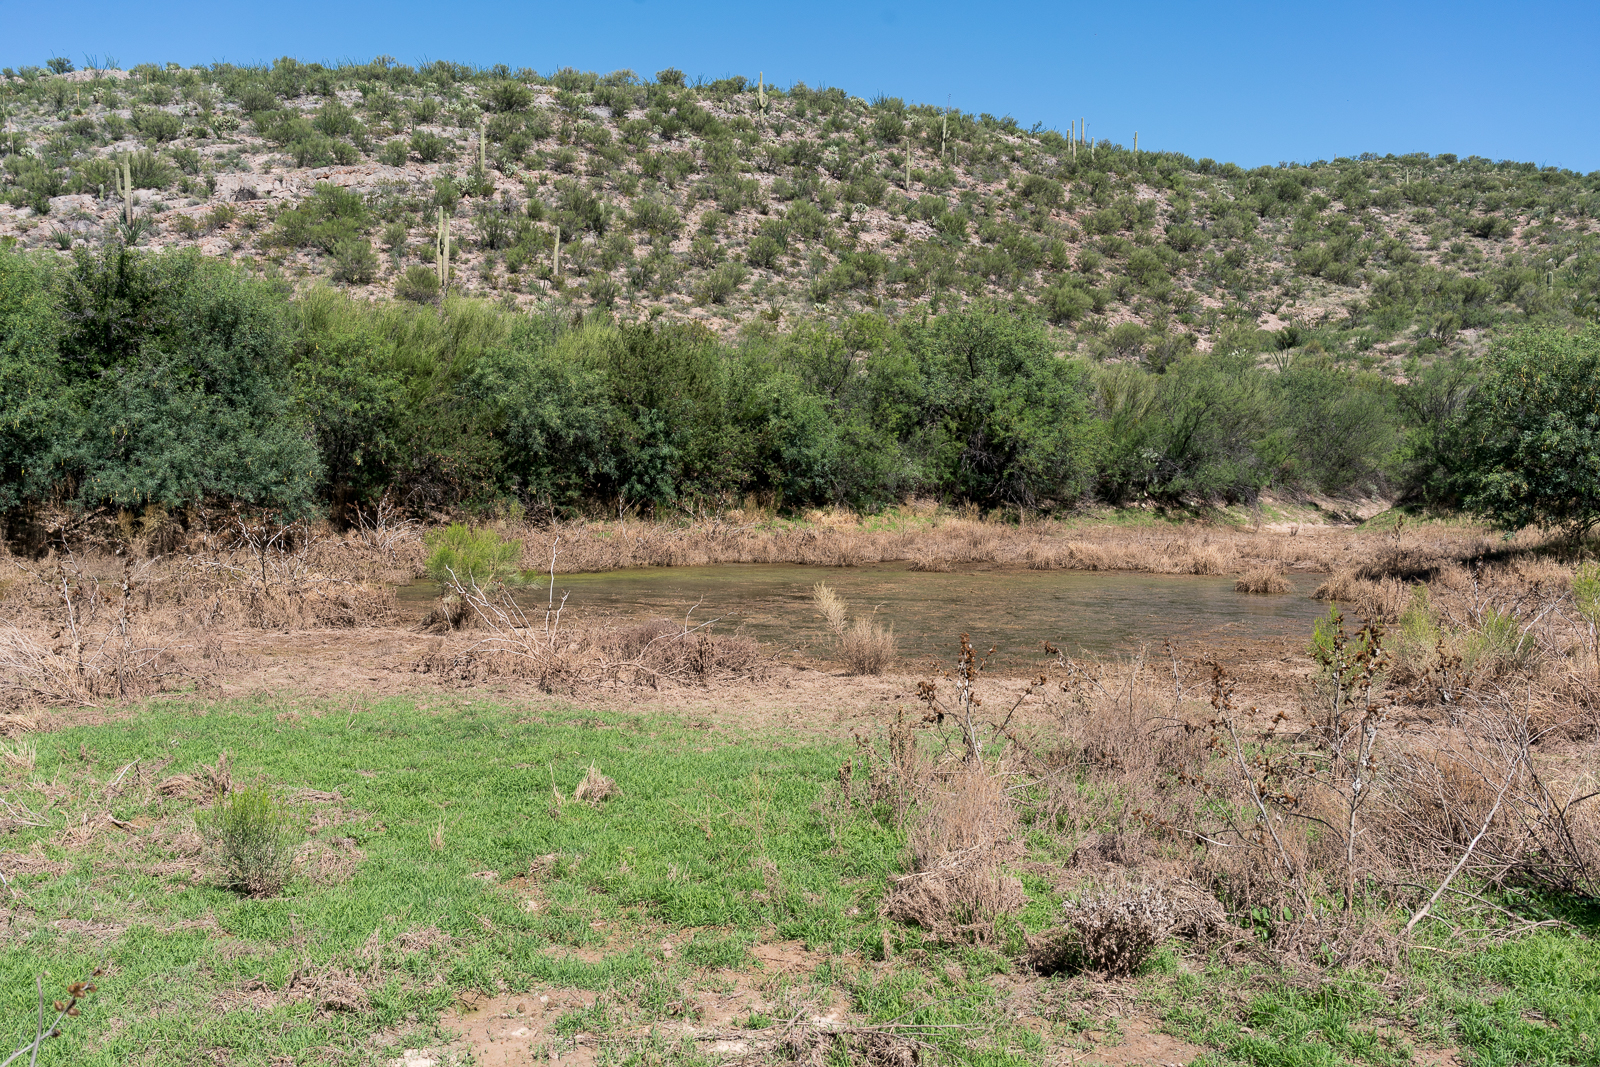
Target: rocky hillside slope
{"points": [[744, 205]]}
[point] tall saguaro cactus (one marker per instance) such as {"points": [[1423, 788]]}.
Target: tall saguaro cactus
{"points": [[761, 91], [555, 255], [125, 189], [441, 257]]}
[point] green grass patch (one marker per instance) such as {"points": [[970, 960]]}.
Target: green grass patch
{"points": [[460, 862]]}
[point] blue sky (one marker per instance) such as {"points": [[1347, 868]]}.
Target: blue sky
{"points": [[1250, 83]]}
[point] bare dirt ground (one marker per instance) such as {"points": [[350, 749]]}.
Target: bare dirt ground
{"points": [[372, 663]]}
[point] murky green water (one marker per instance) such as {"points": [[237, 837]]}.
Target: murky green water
{"points": [[1013, 610]]}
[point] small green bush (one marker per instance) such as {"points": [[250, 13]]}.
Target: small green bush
{"points": [[461, 555], [394, 153], [419, 284], [157, 126], [1586, 592], [504, 96], [355, 262], [764, 251], [429, 147], [254, 837], [722, 282], [149, 171]]}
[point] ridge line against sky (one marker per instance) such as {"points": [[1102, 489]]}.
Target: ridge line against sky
{"points": [[1241, 81]]}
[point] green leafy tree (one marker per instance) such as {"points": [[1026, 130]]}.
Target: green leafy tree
{"points": [[176, 387], [998, 417], [30, 381], [1530, 437]]}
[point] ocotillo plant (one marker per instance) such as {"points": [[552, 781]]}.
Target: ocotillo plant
{"points": [[441, 261]]}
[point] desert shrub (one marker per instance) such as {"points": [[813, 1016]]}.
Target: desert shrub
{"points": [[311, 152], [1065, 303], [254, 837], [394, 153], [355, 262], [419, 284], [764, 252], [604, 290], [723, 282], [149, 171], [328, 218], [507, 95], [429, 147], [157, 126], [654, 217], [1184, 238]]}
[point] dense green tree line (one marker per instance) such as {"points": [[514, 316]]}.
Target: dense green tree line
{"points": [[129, 379]]}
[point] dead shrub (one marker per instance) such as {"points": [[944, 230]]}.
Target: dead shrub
{"points": [[572, 657], [1262, 580], [964, 833], [1115, 930]]}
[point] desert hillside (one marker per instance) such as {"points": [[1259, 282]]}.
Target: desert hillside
{"points": [[735, 202]]}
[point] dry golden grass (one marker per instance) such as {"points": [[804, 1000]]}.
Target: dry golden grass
{"points": [[865, 645], [1262, 580]]}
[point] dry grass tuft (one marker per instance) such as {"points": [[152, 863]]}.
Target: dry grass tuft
{"points": [[596, 788], [19, 755], [1262, 580], [865, 646], [205, 786]]}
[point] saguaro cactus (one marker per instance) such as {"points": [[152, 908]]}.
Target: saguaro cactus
{"points": [[125, 189], [761, 91], [483, 145], [441, 258], [555, 260]]}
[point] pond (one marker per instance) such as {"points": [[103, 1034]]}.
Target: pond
{"points": [[1013, 610]]}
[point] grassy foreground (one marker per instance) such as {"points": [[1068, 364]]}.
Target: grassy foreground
{"points": [[428, 814]]}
